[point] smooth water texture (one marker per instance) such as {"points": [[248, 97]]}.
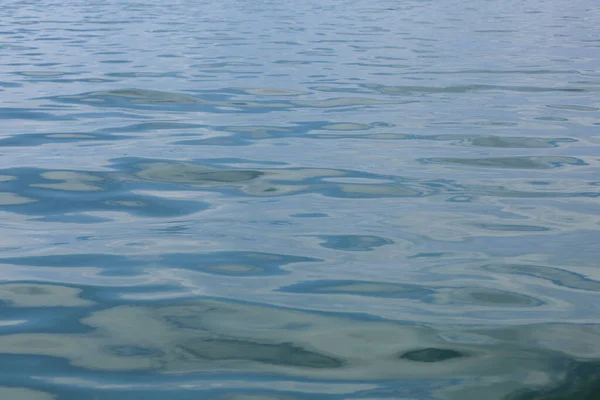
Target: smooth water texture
{"points": [[293, 200]]}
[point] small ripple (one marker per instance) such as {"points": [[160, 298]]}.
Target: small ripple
{"points": [[24, 394], [431, 354], [79, 191], [259, 395], [309, 215], [395, 90], [559, 119], [341, 102], [510, 227], [73, 219], [10, 84], [479, 296], [228, 263], [517, 142], [140, 74], [192, 174], [244, 135], [12, 199], [143, 96], [32, 139], [378, 191], [152, 99], [524, 162], [30, 114], [573, 107], [582, 382], [346, 126], [132, 351], [284, 354], [213, 336], [44, 74], [71, 181], [41, 295], [557, 276], [147, 127], [275, 182], [359, 288], [354, 242], [234, 263], [273, 92]]}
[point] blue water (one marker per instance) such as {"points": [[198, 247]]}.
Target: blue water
{"points": [[283, 200]]}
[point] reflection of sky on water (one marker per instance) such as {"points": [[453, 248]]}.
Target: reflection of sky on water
{"points": [[257, 200], [211, 336]]}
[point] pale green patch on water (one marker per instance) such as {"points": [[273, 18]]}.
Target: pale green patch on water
{"points": [[36, 295], [11, 199], [72, 181], [17, 393]]}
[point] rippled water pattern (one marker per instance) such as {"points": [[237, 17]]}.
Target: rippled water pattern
{"points": [[283, 200]]}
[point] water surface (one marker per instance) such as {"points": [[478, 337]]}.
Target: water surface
{"points": [[259, 200]]}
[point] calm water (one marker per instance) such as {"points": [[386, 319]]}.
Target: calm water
{"points": [[283, 200]]}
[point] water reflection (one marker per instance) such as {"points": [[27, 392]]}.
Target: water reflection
{"points": [[332, 203], [557, 276], [283, 354], [229, 263], [512, 162], [354, 242], [192, 174], [216, 102], [274, 182], [211, 335], [47, 193], [361, 288], [430, 355], [37, 295], [244, 135], [582, 381], [24, 394], [490, 297]]}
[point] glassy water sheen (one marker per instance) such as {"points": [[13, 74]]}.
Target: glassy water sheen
{"points": [[293, 200]]}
